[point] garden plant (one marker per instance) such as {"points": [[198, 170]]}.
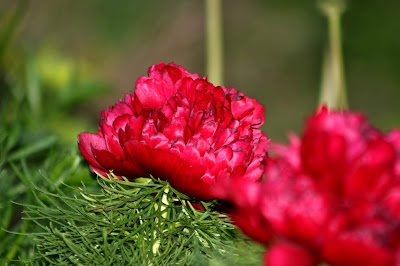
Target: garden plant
{"points": [[181, 170]]}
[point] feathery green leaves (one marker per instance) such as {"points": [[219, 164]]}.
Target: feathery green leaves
{"points": [[143, 222]]}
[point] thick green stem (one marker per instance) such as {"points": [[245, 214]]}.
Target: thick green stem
{"points": [[333, 85], [215, 65]]}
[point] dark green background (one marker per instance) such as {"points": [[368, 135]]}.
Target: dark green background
{"points": [[272, 50]]}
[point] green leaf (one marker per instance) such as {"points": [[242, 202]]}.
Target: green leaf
{"points": [[34, 93], [145, 222], [32, 148]]}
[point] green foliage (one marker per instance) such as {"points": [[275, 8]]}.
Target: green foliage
{"points": [[28, 145], [12, 20], [21, 164], [143, 222], [41, 90]]}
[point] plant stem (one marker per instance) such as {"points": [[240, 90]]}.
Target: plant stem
{"points": [[213, 10], [333, 85], [164, 200]]}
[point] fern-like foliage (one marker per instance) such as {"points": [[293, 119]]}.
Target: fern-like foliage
{"points": [[142, 222]]}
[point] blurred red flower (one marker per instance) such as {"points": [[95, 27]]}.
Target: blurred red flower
{"points": [[332, 196], [181, 128]]}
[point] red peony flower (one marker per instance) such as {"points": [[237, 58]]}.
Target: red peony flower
{"points": [[181, 128], [332, 196]]}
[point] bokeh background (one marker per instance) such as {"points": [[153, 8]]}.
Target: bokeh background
{"points": [[91, 52]]}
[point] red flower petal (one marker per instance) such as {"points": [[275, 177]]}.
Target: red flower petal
{"points": [[184, 173], [241, 107], [117, 164], [352, 252], [86, 141], [150, 92], [289, 254]]}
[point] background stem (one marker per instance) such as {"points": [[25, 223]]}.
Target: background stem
{"points": [[214, 52], [333, 85]]}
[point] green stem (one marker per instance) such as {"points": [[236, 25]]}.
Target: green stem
{"points": [[164, 200], [333, 87], [213, 9]]}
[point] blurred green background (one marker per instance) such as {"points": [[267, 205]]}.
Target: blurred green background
{"points": [[273, 52]]}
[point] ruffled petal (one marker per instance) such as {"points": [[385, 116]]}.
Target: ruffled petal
{"points": [[150, 93], [184, 175], [85, 143], [117, 164]]}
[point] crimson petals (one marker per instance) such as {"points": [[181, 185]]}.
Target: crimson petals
{"points": [[151, 93], [331, 196], [288, 254], [180, 128], [183, 173], [86, 141], [117, 164]]}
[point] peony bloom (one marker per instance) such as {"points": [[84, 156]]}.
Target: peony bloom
{"points": [[331, 196], [181, 128]]}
